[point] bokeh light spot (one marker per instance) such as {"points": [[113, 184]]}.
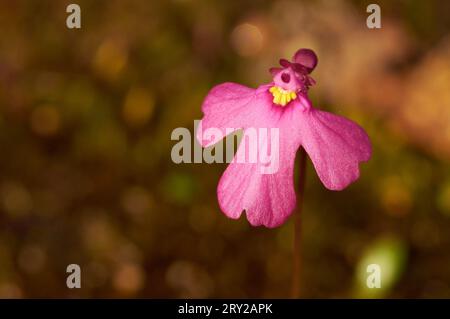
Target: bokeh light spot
{"points": [[247, 39], [129, 278], [110, 60], [138, 107]]}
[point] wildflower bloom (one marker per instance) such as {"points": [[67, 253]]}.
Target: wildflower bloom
{"points": [[335, 145]]}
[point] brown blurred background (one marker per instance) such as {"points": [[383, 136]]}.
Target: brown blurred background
{"points": [[86, 175]]}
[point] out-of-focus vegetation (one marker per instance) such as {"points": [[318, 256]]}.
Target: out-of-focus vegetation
{"points": [[85, 169]]}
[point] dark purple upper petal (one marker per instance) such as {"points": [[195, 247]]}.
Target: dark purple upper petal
{"points": [[275, 71], [285, 63], [307, 58]]}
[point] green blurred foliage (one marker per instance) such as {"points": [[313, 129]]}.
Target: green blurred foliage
{"points": [[389, 254]]}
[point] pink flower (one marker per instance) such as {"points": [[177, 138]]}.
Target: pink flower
{"points": [[335, 145]]}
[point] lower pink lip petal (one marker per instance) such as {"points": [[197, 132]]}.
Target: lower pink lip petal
{"points": [[267, 199]]}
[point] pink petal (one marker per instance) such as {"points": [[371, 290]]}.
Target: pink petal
{"points": [[268, 199], [336, 145], [228, 106]]}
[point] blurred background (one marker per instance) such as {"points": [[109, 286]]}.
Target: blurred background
{"points": [[86, 175]]}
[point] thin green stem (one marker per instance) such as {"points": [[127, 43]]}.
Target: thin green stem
{"points": [[297, 254]]}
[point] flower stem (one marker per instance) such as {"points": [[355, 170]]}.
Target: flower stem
{"points": [[297, 256]]}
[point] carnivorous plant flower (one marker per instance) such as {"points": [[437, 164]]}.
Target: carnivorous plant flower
{"points": [[335, 144]]}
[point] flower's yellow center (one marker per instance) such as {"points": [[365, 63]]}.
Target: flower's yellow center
{"points": [[281, 96]]}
